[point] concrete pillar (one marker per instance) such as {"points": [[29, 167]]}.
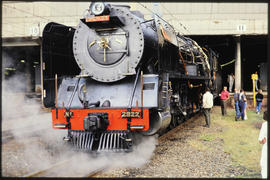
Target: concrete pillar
{"points": [[41, 75], [237, 68], [28, 73]]}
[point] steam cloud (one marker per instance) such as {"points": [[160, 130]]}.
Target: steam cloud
{"points": [[25, 118]]}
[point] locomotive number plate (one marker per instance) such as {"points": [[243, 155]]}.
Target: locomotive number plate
{"points": [[132, 114], [97, 18]]}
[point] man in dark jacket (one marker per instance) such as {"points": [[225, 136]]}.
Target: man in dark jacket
{"points": [[259, 98]]}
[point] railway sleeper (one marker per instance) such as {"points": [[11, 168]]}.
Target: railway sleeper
{"points": [[107, 141]]}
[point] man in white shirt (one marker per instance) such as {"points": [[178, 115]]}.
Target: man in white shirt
{"points": [[230, 81], [263, 140], [207, 105]]}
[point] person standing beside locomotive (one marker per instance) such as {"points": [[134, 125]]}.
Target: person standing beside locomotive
{"points": [[263, 140], [243, 104], [230, 81], [259, 98], [224, 95], [207, 105], [236, 104], [255, 76]]}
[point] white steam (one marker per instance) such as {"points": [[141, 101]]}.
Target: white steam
{"points": [[25, 117]]}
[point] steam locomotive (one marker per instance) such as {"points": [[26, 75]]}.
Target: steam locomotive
{"points": [[117, 74]]}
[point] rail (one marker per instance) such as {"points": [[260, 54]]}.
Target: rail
{"points": [[52, 170], [96, 172], [42, 173]]}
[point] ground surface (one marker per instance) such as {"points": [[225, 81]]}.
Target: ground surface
{"points": [[226, 149]]}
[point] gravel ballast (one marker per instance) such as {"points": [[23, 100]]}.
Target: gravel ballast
{"points": [[176, 156]]}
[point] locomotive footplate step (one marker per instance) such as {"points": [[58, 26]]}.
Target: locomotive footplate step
{"points": [[115, 141]]}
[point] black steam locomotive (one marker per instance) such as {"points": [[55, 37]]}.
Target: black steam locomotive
{"points": [[117, 74]]}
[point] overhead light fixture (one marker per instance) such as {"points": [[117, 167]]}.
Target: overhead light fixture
{"points": [[10, 69]]}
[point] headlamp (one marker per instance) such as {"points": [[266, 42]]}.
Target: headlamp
{"points": [[97, 8]]}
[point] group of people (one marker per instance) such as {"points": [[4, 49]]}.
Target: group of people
{"points": [[239, 99], [240, 108], [208, 103], [240, 103]]}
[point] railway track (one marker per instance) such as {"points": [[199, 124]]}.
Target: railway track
{"points": [[8, 135], [47, 171], [24, 126], [96, 172], [56, 170], [59, 169]]}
